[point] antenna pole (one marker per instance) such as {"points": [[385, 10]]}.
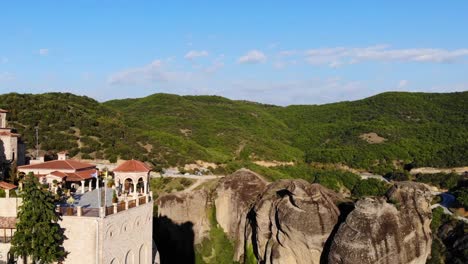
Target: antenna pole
{"points": [[37, 142]]}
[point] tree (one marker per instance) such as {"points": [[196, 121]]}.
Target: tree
{"points": [[38, 235]]}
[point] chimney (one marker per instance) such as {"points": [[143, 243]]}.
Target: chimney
{"points": [[62, 155]]}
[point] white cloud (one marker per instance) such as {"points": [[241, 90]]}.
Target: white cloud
{"points": [[252, 57], [193, 54], [338, 56], [44, 52], [402, 84]]}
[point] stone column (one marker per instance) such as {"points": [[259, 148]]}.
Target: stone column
{"points": [[90, 186], [135, 191], [115, 207], [79, 211], [82, 186], [145, 187]]}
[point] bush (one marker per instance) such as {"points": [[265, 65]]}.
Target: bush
{"points": [[370, 187]]}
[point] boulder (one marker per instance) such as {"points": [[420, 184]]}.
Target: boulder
{"points": [[291, 221], [377, 231], [234, 196]]}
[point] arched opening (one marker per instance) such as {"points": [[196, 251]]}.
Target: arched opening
{"points": [[140, 186], [128, 186], [129, 258], [143, 252], [115, 261]]}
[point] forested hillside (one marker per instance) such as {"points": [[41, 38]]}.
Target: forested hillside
{"points": [[377, 133]]}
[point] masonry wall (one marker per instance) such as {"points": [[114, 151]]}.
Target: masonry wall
{"points": [[81, 239], [8, 206], [128, 236]]}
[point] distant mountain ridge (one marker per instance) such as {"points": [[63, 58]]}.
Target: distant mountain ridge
{"points": [[395, 128]]}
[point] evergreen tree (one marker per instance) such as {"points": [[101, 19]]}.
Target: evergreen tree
{"points": [[38, 235]]}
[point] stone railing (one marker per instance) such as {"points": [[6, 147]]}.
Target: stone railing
{"points": [[128, 203]]}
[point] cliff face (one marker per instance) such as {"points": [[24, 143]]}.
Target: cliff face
{"points": [[234, 196], [291, 222], [380, 232], [186, 208]]}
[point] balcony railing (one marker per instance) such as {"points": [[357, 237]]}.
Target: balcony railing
{"points": [[104, 211], [6, 234]]}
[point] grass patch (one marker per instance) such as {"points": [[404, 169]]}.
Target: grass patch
{"points": [[217, 248]]}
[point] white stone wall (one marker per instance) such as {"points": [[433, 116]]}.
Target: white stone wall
{"points": [[9, 206], [4, 248], [81, 239], [125, 237], [128, 236]]}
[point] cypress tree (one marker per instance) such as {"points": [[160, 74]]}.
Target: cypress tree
{"points": [[38, 235]]}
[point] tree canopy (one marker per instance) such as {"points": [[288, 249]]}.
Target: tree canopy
{"points": [[38, 235]]}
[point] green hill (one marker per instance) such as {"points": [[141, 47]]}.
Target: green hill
{"points": [[410, 128]]}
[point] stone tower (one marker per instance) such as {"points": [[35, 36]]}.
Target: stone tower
{"points": [[11, 147]]}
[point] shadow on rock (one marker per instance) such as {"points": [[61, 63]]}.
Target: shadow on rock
{"points": [[175, 242], [345, 209]]}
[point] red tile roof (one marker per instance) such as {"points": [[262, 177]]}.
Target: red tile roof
{"points": [[59, 174], [7, 222], [6, 133], [132, 166], [7, 186], [74, 176], [59, 165]]}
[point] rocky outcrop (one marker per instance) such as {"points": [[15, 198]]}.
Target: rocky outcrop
{"points": [[234, 196], [187, 208], [377, 231], [291, 222]]}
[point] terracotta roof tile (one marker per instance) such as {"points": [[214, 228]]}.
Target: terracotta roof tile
{"points": [[7, 222], [81, 175], [59, 165], [7, 186], [132, 166], [59, 174]]}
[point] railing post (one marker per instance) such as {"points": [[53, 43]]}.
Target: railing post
{"points": [[102, 212], [115, 207], [137, 201], [126, 204], [79, 211]]}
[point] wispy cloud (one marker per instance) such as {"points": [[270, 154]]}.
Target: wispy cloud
{"points": [[335, 57], [252, 57], [216, 64], [193, 54], [140, 75], [43, 52]]}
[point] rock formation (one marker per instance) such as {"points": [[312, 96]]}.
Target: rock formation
{"points": [[377, 231], [291, 222], [187, 207], [234, 196]]}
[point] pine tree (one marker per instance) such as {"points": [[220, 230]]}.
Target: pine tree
{"points": [[38, 236]]}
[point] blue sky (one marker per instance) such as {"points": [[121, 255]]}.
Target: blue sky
{"points": [[279, 52]]}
